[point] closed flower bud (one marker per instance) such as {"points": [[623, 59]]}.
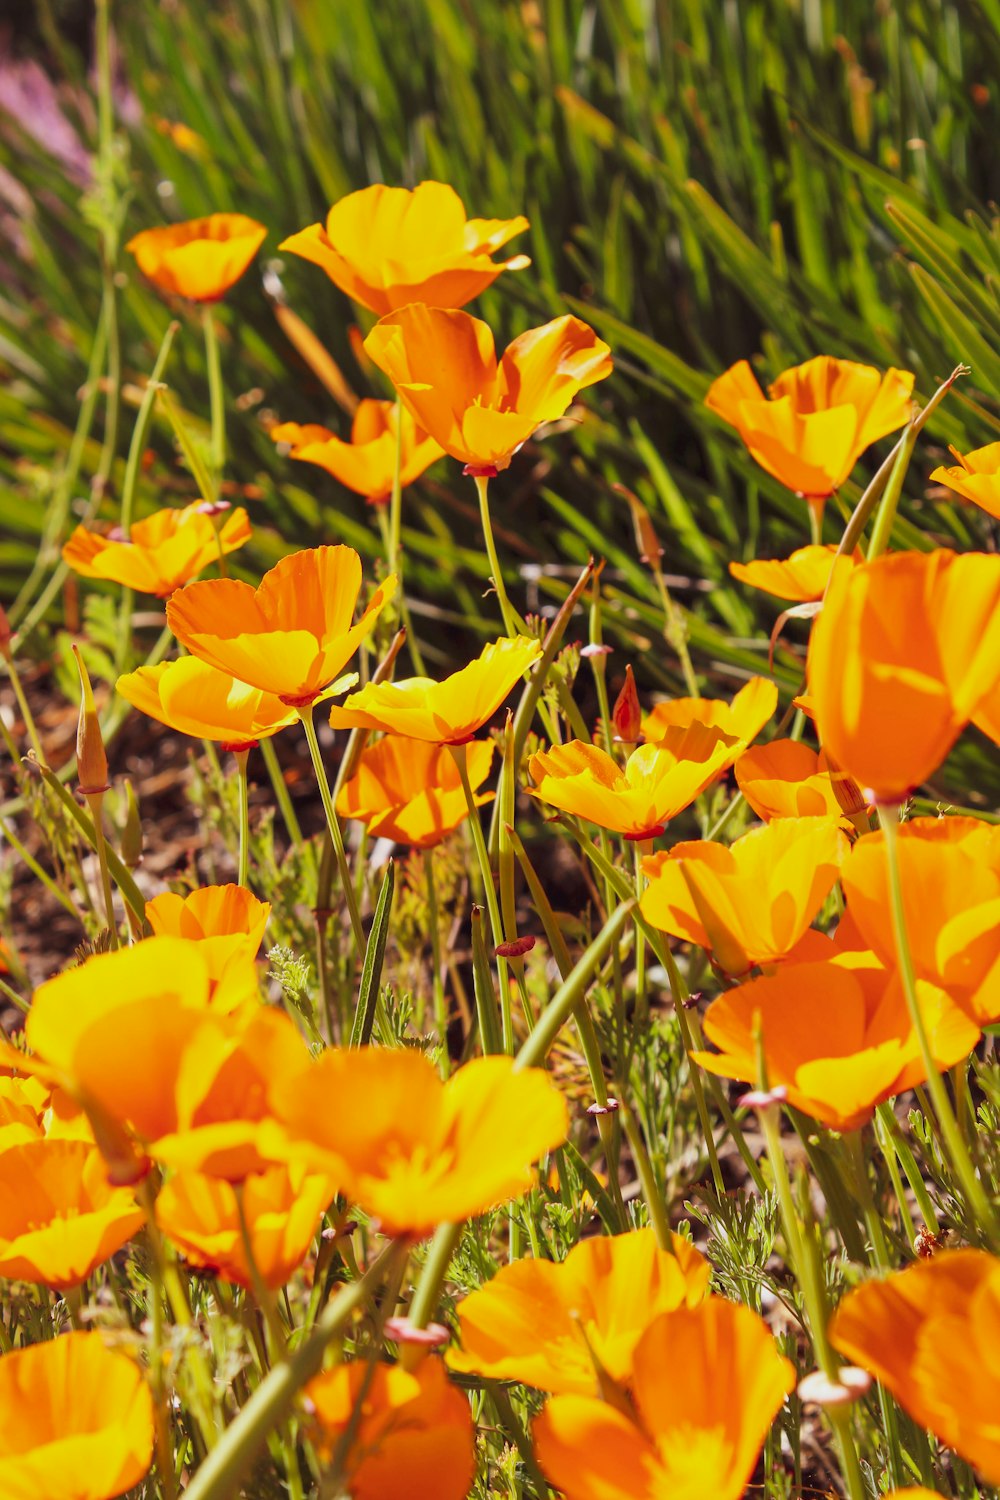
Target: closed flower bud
{"points": [[626, 714], [91, 761]]}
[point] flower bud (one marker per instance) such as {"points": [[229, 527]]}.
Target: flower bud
{"points": [[626, 714], [91, 761], [131, 840]]}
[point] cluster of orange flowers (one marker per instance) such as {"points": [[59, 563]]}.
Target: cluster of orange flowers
{"points": [[157, 1088]]}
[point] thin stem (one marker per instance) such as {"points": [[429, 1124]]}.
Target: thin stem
{"points": [[506, 609], [26, 714], [281, 792], [332, 823], [886, 515], [492, 902], [216, 394], [95, 804], [972, 1187], [242, 756], [650, 1191], [395, 500], [907, 1161], [434, 932], [676, 634]]}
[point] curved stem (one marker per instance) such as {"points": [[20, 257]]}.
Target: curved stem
{"points": [[506, 609], [492, 902], [332, 823]]}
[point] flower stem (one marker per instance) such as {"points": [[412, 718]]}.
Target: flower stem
{"points": [[506, 609], [975, 1194], [492, 903], [434, 932], [216, 394], [332, 823], [95, 804], [281, 794], [26, 714], [242, 757], [644, 1167]]}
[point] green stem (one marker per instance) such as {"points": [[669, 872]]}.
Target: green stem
{"points": [[982, 1210], [886, 515], [216, 395], [95, 805], [907, 1161], [650, 1191], [509, 617], [26, 714], [396, 501], [332, 823], [242, 756], [573, 990], [281, 793], [434, 932], [492, 902]]}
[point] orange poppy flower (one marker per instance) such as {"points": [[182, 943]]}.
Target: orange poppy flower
{"points": [[837, 1035], [59, 1216], [638, 799], [445, 370], [282, 1207], [161, 553], [820, 418], [545, 1322], [749, 902], [903, 653], [201, 258], [411, 1150], [22, 1101], [414, 1437], [975, 477], [801, 578], [386, 247], [76, 1421], [707, 1383], [786, 779], [193, 698], [289, 636], [410, 790], [367, 464], [950, 875], [742, 719], [443, 713], [225, 920], [987, 716], [928, 1333]]}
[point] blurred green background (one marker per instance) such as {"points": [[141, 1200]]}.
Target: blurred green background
{"points": [[769, 179]]}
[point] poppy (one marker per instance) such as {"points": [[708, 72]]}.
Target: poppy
{"points": [[199, 259], [820, 418], [226, 920], [748, 902], [289, 636], [480, 410], [902, 654], [386, 247], [282, 1207], [707, 1383], [787, 779], [367, 464], [442, 713], [975, 477], [837, 1035], [76, 1421], [160, 553], [193, 698], [742, 719], [412, 1151], [413, 1435], [949, 871], [410, 790], [987, 715], [929, 1334], [638, 799], [60, 1218], [546, 1322], [800, 578]]}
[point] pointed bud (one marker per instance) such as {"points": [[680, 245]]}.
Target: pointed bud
{"points": [[626, 714], [91, 761], [131, 840]]}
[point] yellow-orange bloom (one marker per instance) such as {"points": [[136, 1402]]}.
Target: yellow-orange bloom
{"points": [[837, 1035], [801, 578], [975, 477], [161, 553], [445, 369], [282, 1207], [411, 1150], [950, 876], [201, 258], [190, 696], [367, 464], [820, 418], [904, 651], [545, 1322], [76, 1421], [414, 1436], [386, 247], [410, 790], [639, 799], [929, 1335], [59, 1216], [225, 920], [707, 1383], [289, 636], [786, 779], [443, 713], [742, 719], [749, 902]]}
